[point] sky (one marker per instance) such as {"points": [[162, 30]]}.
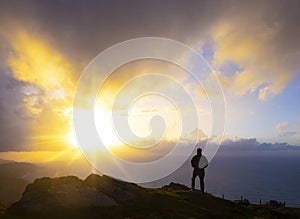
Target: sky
{"points": [[253, 47]]}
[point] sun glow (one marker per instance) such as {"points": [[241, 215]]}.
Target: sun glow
{"points": [[106, 131], [72, 140], [49, 99]]}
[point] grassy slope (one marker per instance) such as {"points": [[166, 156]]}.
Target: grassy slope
{"points": [[167, 203], [186, 204]]}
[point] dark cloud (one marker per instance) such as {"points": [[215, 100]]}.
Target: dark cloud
{"points": [[84, 29], [13, 124], [251, 144], [91, 26]]}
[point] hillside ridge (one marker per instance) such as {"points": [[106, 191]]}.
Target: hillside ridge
{"points": [[105, 197]]}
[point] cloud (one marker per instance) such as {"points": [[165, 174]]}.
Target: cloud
{"points": [[195, 135], [298, 125], [251, 144], [281, 127], [35, 62], [285, 130], [261, 45], [260, 37], [13, 124], [42, 81], [42, 40]]}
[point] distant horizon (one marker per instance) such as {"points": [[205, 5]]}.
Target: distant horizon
{"points": [[228, 145]]}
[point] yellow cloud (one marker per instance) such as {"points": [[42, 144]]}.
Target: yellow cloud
{"points": [[252, 48], [48, 91], [35, 61]]}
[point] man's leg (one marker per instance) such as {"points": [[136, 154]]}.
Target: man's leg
{"points": [[202, 183], [193, 179]]}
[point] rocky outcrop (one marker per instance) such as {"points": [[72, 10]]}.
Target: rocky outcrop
{"points": [[176, 186], [117, 189], [70, 191]]}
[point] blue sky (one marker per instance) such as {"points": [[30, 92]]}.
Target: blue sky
{"points": [[250, 117]]}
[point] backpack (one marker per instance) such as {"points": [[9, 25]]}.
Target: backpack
{"points": [[195, 161]]}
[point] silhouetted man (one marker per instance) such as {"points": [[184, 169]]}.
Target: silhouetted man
{"points": [[199, 162]]}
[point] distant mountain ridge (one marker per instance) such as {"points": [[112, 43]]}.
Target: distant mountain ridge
{"points": [[27, 171], [2, 161], [15, 176]]}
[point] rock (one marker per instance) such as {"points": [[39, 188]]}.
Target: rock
{"points": [[273, 203], [243, 202], [70, 191], [117, 189], [176, 186]]}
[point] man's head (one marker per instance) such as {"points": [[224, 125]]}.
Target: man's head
{"points": [[199, 151]]}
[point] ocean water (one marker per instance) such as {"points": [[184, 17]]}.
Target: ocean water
{"points": [[261, 177], [256, 176]]}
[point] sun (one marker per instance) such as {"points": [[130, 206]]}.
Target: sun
{"points": [[72, 140], [105, 128]]}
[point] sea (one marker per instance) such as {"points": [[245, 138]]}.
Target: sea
{"points": [[256, 176]]}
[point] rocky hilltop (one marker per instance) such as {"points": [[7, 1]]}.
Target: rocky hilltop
{"points": [[70, 191], [105, 197]]}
